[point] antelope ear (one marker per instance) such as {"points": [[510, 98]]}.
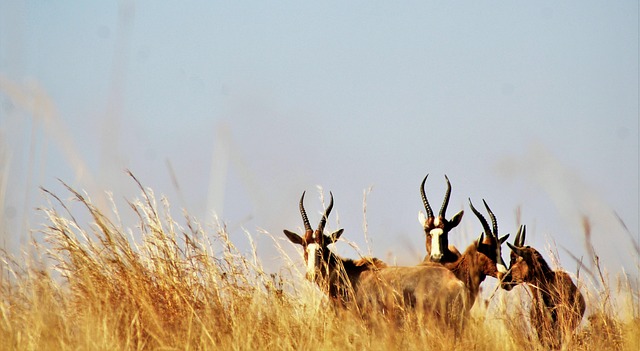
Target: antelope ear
{"points": [[422, 219], [480, 239], [456, 219], [336, 235], [514, 249], [295, 238], [504, 238]]}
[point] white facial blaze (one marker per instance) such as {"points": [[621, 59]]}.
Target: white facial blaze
{"points": [[312, 249], [501, 268], [435, 242]]}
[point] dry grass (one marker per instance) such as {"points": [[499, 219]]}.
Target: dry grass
{"points": [[169, 286]]}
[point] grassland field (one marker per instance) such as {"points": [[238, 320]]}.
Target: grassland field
{"points": [[170, 284]]}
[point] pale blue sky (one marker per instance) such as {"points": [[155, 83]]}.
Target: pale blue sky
{"points": [[525, 105]]}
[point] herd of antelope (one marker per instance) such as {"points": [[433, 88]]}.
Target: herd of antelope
{"points": [[443, 287]]}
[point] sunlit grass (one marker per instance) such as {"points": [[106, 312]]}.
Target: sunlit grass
{"points": [[176, 284]]}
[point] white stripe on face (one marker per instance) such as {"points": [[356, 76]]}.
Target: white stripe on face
{"points": [[501, 268], [435, 242], [312, 249]]}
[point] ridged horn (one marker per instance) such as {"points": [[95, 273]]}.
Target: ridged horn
{"points": [[494, 223], [427, 207], [445, 202], [483, 221], [323, 221], [305, 219]]}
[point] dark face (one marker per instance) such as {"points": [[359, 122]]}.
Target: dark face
{"points": [[489, 244], [490, 247], [520, 267], [521, 264]]}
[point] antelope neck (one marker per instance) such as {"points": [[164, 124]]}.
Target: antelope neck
{"points": [[469, 270]]}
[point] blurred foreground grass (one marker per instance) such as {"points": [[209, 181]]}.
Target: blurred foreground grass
{"points": [[170, 284]]}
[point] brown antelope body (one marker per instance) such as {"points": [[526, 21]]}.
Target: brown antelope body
{"points": [[557, 304], [481, 259], [437, 229], [430, 291]]}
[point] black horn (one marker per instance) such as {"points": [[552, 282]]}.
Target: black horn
{"points": [[494, 223], [519, 242], [445, 202], [427, 207], [305, 219], [485, 225], [323, 221]]}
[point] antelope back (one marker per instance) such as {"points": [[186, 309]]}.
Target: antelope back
{"points": [[431, 291]]}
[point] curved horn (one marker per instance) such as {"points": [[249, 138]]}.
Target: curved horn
{"points": [[445, 203], [493, 219], [424, 198], [305, 219], [323, 221], [485, 225]]}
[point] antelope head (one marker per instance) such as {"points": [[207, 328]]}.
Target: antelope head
{"points": [[314, 243], [524, 261], [437, 228], [489, 244]]}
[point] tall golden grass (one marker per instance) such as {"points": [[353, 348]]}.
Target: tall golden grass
{"points": [[174, 285]]}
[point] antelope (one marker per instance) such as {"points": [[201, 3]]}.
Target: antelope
{"points": [[437, 229], [338, 275], [431, 291], [557, 304], [481, 259]]}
